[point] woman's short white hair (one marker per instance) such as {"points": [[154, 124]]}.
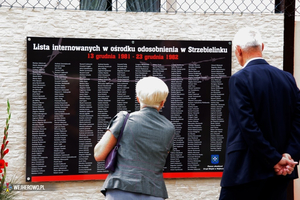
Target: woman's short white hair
{"points": [[247, 37], [151, 91]]}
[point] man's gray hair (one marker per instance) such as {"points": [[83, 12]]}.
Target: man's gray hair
{"points": [[151, 91], [247, 37]]}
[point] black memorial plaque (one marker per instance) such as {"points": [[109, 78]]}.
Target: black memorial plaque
{"points": [[75, 86]]}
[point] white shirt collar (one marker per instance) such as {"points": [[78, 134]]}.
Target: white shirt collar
{"points": [[256, 58]]}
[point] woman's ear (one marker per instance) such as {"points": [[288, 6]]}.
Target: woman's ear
{"points": [[138, 100], [162, 104]]}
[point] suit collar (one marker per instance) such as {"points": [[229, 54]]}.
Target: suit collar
{"points": [[257, 60]]}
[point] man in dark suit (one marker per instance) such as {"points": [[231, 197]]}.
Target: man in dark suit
{"points": [[264, 126]]}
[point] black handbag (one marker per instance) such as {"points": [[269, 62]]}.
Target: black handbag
{"points": [[111, 159]]}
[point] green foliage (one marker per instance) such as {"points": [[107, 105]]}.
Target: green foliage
{"points": [[5, 190]]}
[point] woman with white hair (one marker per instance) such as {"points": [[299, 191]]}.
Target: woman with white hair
{"points": [[147, 139]]}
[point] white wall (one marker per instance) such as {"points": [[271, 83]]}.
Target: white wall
{"points": [[16, 24], [297, 5]]}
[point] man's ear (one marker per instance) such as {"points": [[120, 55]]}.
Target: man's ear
{"points": [[138, 100], [262, 46], [239, 50]]}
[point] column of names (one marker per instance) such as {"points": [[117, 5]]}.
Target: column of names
{"points": [[122, 87], [85, 119], [217, 104], [104, 89], [38, 120], [177, 105], [194, 125], [141, 70], [60, 157]]}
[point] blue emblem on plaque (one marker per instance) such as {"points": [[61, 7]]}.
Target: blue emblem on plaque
{"points": [[214, 159]]}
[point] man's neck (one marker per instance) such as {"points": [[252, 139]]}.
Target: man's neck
{"points": [[250, 54]]}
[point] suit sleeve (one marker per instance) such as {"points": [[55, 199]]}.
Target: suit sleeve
{"points": [[241, 107]]}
